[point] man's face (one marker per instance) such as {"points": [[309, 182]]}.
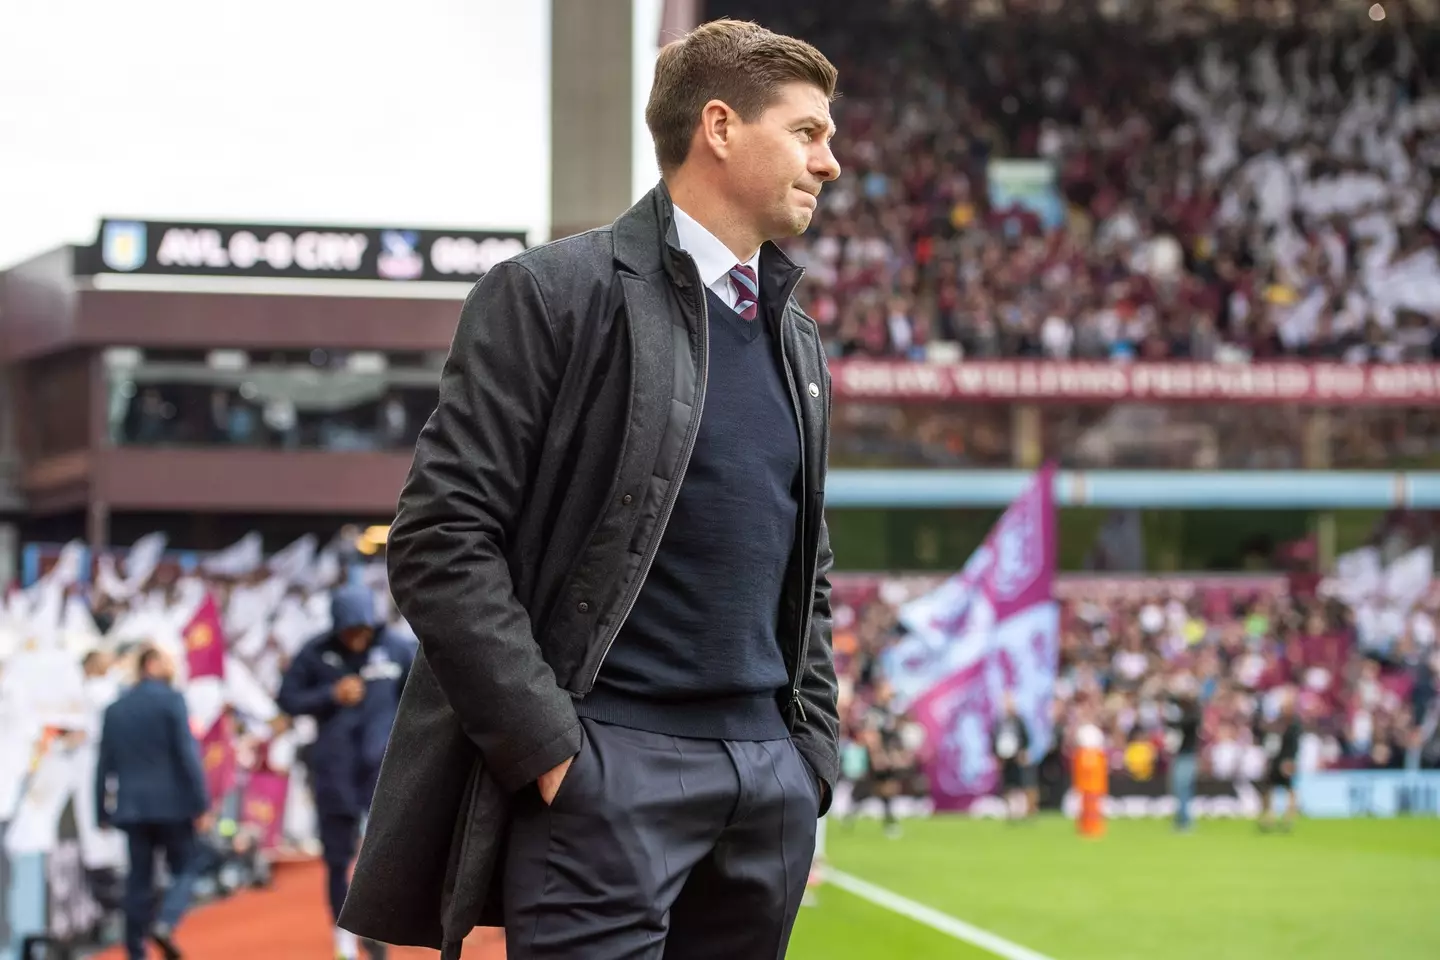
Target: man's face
{"points": [[779, 163], [162, 667], [356, 639]]}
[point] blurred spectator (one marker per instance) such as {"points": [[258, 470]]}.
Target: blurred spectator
{"points": [[151, 761], [1280, 739], [1182, 740], [1010, 743], [891, 767], [349, 680]]}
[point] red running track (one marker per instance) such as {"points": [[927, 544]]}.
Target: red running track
{"points": [[287, 921]]}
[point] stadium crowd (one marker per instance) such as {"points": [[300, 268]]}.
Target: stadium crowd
{"points": [[71, 642], [1365, 672], [1363, 678], [1223, 194], [1360, 665], [1222, 190]]}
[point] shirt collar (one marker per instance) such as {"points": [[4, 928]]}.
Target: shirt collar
{"points": [[712, 258]]}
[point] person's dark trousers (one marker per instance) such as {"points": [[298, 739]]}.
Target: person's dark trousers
{"points": [[339, 839], [176, 841], [660, 846]]}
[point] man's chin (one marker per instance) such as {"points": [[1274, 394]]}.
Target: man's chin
{"points": [[792, 224]]}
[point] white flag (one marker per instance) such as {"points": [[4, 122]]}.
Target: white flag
{"points": [[1358, 576], [242, 557], [141, 561], [108, 582], [291, 563]]}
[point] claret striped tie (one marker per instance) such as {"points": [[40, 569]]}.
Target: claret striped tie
{"points": [[747, 291]]}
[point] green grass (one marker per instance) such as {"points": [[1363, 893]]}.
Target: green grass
{"points": [[1330, 890], [843, 926]]}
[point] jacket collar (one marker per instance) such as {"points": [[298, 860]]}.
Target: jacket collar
{"points": [[646, 242]]}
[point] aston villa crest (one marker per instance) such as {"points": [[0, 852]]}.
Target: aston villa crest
{"points": [[123, 244]]}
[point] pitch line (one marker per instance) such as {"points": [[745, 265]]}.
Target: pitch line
{"points": [[931, 917]]}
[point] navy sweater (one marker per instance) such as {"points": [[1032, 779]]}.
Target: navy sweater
{"points": [[698, 655]]}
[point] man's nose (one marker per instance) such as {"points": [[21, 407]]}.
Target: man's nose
{"points": [[825, 167]]}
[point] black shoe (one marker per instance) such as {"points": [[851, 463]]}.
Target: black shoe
{"points": [[164, 938], [374, 949]]}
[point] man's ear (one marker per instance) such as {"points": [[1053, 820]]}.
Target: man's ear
{"points": [[716, 125]]}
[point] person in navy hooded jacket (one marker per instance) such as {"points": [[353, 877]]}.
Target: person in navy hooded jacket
{"points": [[349, 679]]}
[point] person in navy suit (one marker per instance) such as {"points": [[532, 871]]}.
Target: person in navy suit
{"points": [[149, 783], [349, 680]]}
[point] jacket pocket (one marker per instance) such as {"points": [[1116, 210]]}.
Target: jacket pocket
{"points": [[569, 784]]}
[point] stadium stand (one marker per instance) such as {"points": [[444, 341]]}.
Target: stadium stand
{"points": [[1228, 194]]}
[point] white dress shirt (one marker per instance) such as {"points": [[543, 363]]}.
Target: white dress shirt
{"points": [[713, 259]]}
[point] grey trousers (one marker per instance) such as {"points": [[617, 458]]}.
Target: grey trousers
{"points": [[659, 846]]}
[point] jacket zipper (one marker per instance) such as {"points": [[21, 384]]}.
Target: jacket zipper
{"points": [[807, 570], [673, 493], [804, 638]]}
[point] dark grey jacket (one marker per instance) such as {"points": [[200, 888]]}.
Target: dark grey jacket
{"points": [[536, 502]]}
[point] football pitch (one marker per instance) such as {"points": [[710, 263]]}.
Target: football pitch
{"points": [[1332, 889]]}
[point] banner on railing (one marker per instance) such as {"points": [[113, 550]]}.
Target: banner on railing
{"points": [[1319, 384], [1370, 793]]}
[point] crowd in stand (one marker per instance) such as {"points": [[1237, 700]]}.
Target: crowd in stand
{"points": [[81, 643], [1365, 686], [70, 643], [1361, 707], [1364, 673], [1230, 194]]}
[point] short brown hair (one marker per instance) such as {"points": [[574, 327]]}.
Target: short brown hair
{"points": [[149, 654], [740, 63]]}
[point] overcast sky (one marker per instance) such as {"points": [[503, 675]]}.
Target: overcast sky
{"points": [[429, 112]]}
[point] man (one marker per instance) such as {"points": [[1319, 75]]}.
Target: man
{"points": [[1182, 717], [890, 762], [1010, 744], [612, 547], [1281, 741], [152, 761], [349, 679]]}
